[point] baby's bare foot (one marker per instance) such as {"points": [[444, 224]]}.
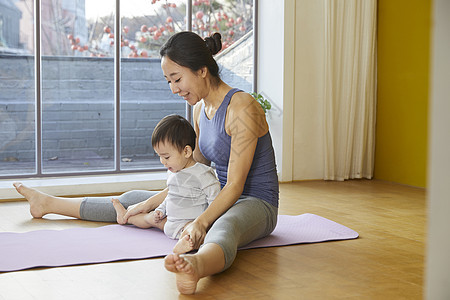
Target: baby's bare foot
{"points": [[38, 201], [183, 245], [186, 270], [120, 210]]}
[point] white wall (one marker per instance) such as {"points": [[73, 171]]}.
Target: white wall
{"points": [[437, 285], [290, 72], [275, 76]]}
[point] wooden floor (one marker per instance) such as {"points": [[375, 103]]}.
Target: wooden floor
{"points": [[385, 262]]}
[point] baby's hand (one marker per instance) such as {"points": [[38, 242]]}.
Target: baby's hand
{"points": [[159, 216]]}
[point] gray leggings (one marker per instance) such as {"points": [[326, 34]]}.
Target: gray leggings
{"points": [[247, 220], [100, 209]]}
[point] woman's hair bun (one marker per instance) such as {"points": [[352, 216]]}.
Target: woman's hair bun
{"points": [[214, 43]]}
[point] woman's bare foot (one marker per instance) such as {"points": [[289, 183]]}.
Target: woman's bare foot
{"points": [[120, 210], [186, 269], [38, 201], [183, 245]]}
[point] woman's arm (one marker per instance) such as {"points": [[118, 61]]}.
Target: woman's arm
{"points": [[198, 156], [243, 124]]}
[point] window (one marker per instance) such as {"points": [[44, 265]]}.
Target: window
{"points": [[87, 100], [2, 43]]}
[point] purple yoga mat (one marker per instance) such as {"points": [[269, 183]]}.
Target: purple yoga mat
{"points": [[52, 248]]}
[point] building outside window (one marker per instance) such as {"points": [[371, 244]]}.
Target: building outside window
{"points": [[89, 99]]}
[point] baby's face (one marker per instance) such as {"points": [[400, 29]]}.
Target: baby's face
{"points": [[171, 157]]}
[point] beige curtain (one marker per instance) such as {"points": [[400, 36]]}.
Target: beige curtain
{"points": [[350, 88]]}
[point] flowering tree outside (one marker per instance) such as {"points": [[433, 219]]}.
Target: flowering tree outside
{"points": [[142, 36]]}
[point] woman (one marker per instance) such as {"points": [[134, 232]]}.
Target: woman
{"points": [[233, 133]]}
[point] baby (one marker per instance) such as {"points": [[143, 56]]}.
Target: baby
{"points": [[191, 186]]}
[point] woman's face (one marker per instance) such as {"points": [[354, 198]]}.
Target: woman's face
{"points": [[183, 81]]}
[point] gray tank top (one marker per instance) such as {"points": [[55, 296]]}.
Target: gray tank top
{"points": [[215, 145]]}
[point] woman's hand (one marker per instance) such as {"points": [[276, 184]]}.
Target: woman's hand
{"points": [[196, 233]]}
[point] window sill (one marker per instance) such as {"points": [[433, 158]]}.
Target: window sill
{"points": [[86, 185]]}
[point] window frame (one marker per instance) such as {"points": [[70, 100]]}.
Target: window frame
{"points": [[117, 97]]}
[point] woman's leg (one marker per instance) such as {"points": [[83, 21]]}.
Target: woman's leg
{"points": [[42, 204], [100, 209], [189, 269], [248, 220], [89, 208]]}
